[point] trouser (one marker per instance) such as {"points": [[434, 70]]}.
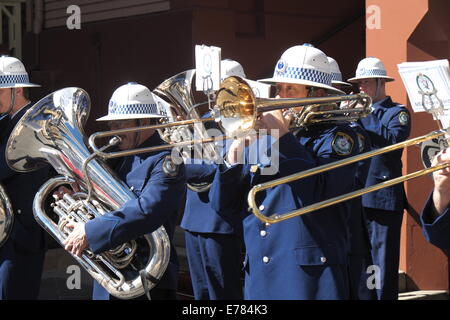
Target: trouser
{"points": [[214, 265], [384, 232], [20, 272], [360, 282]]}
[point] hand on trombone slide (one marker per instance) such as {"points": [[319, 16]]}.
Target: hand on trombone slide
{"points": [[441, 192], [277, 120]]}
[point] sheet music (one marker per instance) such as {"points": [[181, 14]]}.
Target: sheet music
{"points": [[428, 85]]}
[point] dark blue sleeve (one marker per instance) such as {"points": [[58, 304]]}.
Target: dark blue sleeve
{"points": [[139, 216], [436, 230], [385, 132], [199, 173], [228, 188], [231, 185]]}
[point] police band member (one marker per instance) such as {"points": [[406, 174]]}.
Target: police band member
{"points": [[388, 123], [304, 257], [22, 255], [435, 216], [213, 240], [157, 181]]}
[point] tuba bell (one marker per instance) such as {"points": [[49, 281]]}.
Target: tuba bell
{"points": [[51, 133], [6, 216], [177, 92]]}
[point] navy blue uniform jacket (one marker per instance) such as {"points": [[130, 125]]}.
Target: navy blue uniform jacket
{"points": [[300, 258], [389, 123], [158, 198], [199, 216]]}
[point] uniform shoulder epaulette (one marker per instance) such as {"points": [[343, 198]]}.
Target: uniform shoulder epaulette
{"points": [[403, 118]]}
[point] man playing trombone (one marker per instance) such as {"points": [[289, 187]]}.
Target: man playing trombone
{"points": [[304, 257]]}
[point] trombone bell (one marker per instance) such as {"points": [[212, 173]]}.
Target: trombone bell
{"points": [[235, 107]]}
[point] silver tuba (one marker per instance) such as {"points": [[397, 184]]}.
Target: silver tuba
{"points": [[51, 132], [177, 91], [6, 216]]}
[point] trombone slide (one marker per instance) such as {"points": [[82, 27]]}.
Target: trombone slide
{"points": [[274, 218]]}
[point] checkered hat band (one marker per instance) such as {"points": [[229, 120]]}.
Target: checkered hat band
{"points": [[14, 78], [335, 76], [306, 74], [134, 109], [371, 72]]}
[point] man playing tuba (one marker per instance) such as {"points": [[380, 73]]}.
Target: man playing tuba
{"points": [[156, 180]]}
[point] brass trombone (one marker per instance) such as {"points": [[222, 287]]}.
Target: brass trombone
{"points": [[236, 110], [274, 218]]}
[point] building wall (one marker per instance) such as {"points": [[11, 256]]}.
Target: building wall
{"points": [[149, 48], [104, 55]]}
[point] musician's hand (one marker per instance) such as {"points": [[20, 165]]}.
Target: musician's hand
{"points": [[277, 120], [345, 104], [441, 192], [76, 241]]}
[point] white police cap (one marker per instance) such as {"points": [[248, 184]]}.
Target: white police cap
{"points": [[134, 101], [368, 68], [303, 64], [13, 73], [336, 75], [230, 68]]}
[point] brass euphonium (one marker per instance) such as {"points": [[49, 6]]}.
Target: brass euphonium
{"points": [[6, 216], [51, 132]]}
